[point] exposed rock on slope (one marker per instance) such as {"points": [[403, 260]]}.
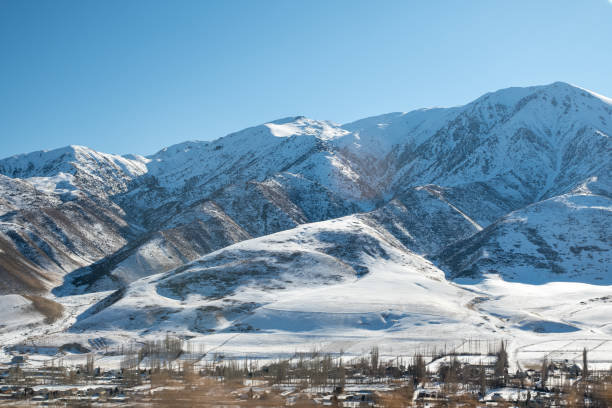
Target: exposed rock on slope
{"points": [[565, 238], [59, 216], [41, 245], [424, 220]]}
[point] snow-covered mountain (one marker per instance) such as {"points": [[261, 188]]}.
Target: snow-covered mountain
{"points": [[342, 274], [56, 213], [205, 236], [564, 238], [73, 169]]}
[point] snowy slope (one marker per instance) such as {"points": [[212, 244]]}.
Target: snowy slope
{"points": [[343, 286], [194, 170], [317, 277], [39, 246], [233, 214], [522, 144], [526, 142], [17, 194], [424, 220], [56, 214], [565, 238], [75, 167], [17, 312], [202, 228]]}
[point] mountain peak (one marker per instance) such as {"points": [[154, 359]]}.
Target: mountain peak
{"points": [[65, 162], [301, 125], [569, 89], [557, 90]]}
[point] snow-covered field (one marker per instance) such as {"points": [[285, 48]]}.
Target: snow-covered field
{"points": [[341, 287]]}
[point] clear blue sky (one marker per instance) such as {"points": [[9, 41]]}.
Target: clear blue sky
{"points": [[135, 76]]}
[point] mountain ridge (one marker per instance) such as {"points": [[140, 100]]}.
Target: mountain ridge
{"points": [[473, 164]]}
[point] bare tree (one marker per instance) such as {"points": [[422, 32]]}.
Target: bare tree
{"points": [[482, 379], [544, 371], [374, 360], [585, 365], [501, 365], [419, 369]]}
